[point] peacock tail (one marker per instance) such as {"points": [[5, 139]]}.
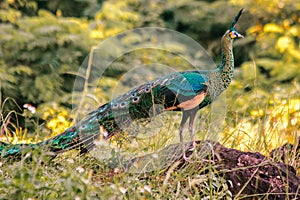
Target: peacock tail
{"points": [[186, 91]]}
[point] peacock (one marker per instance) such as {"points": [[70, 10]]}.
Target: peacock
{"points": [[186, 91]]}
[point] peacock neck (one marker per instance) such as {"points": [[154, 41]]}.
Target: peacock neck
{"points": [[227, 64]]}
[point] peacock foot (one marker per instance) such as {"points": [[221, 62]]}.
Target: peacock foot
{"points": [[192, 155]]}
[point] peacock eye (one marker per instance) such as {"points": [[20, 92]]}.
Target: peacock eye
{"points": [[232, 34], [147, 89], [135, 99], [115, 105], [123, 104]]}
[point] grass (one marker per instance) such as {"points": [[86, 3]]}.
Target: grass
{"points": [[70, 177], [259, 127]]}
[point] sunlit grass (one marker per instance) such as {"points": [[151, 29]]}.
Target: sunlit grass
{"points": [[266, 129]]}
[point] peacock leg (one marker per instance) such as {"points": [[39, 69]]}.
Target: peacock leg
{"points": [[185, 116], [191, 127]]}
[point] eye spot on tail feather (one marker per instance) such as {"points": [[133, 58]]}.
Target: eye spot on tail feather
{"points": [[135, 99], [115, 106], [123, 104]]}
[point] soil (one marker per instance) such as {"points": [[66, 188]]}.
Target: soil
{"points": [[251, 175]]}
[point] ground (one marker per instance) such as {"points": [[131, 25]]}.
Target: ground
{"points": [[249, 175]]}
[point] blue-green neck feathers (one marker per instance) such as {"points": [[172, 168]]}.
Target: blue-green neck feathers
{"points": [[226, 67]]}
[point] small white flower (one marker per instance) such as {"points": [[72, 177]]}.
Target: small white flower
{"points": [[70, 160], [116, 170], [141, 190], [155, 155], [80, 169], [31, 108], [147, 188], [105, 134], [77, 198], [123, 190]]}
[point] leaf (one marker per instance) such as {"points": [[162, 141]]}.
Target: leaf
{"points": [[267, 63], [43, 43], [21, 69], [285, 71], [248, 70], [284, 43], [294, 53], [10, 15], [273, 28], [48, 30]]}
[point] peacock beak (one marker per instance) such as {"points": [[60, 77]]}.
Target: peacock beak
{"points": [[240, 35], [234, 34]]}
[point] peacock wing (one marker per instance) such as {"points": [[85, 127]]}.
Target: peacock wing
{"points": [[188, 83], [184, 90]]}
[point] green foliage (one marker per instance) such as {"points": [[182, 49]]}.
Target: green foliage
{"points": [[67, 8], [38, 53], [71, 8], [276, 53], [27, 7]]}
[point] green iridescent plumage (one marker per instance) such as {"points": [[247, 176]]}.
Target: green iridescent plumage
{"points": [[186, 91]]}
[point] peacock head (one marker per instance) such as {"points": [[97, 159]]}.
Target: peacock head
{"points": [[233, 34]]}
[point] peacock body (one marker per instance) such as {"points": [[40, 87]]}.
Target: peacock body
{"points": [[186, 91]]}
